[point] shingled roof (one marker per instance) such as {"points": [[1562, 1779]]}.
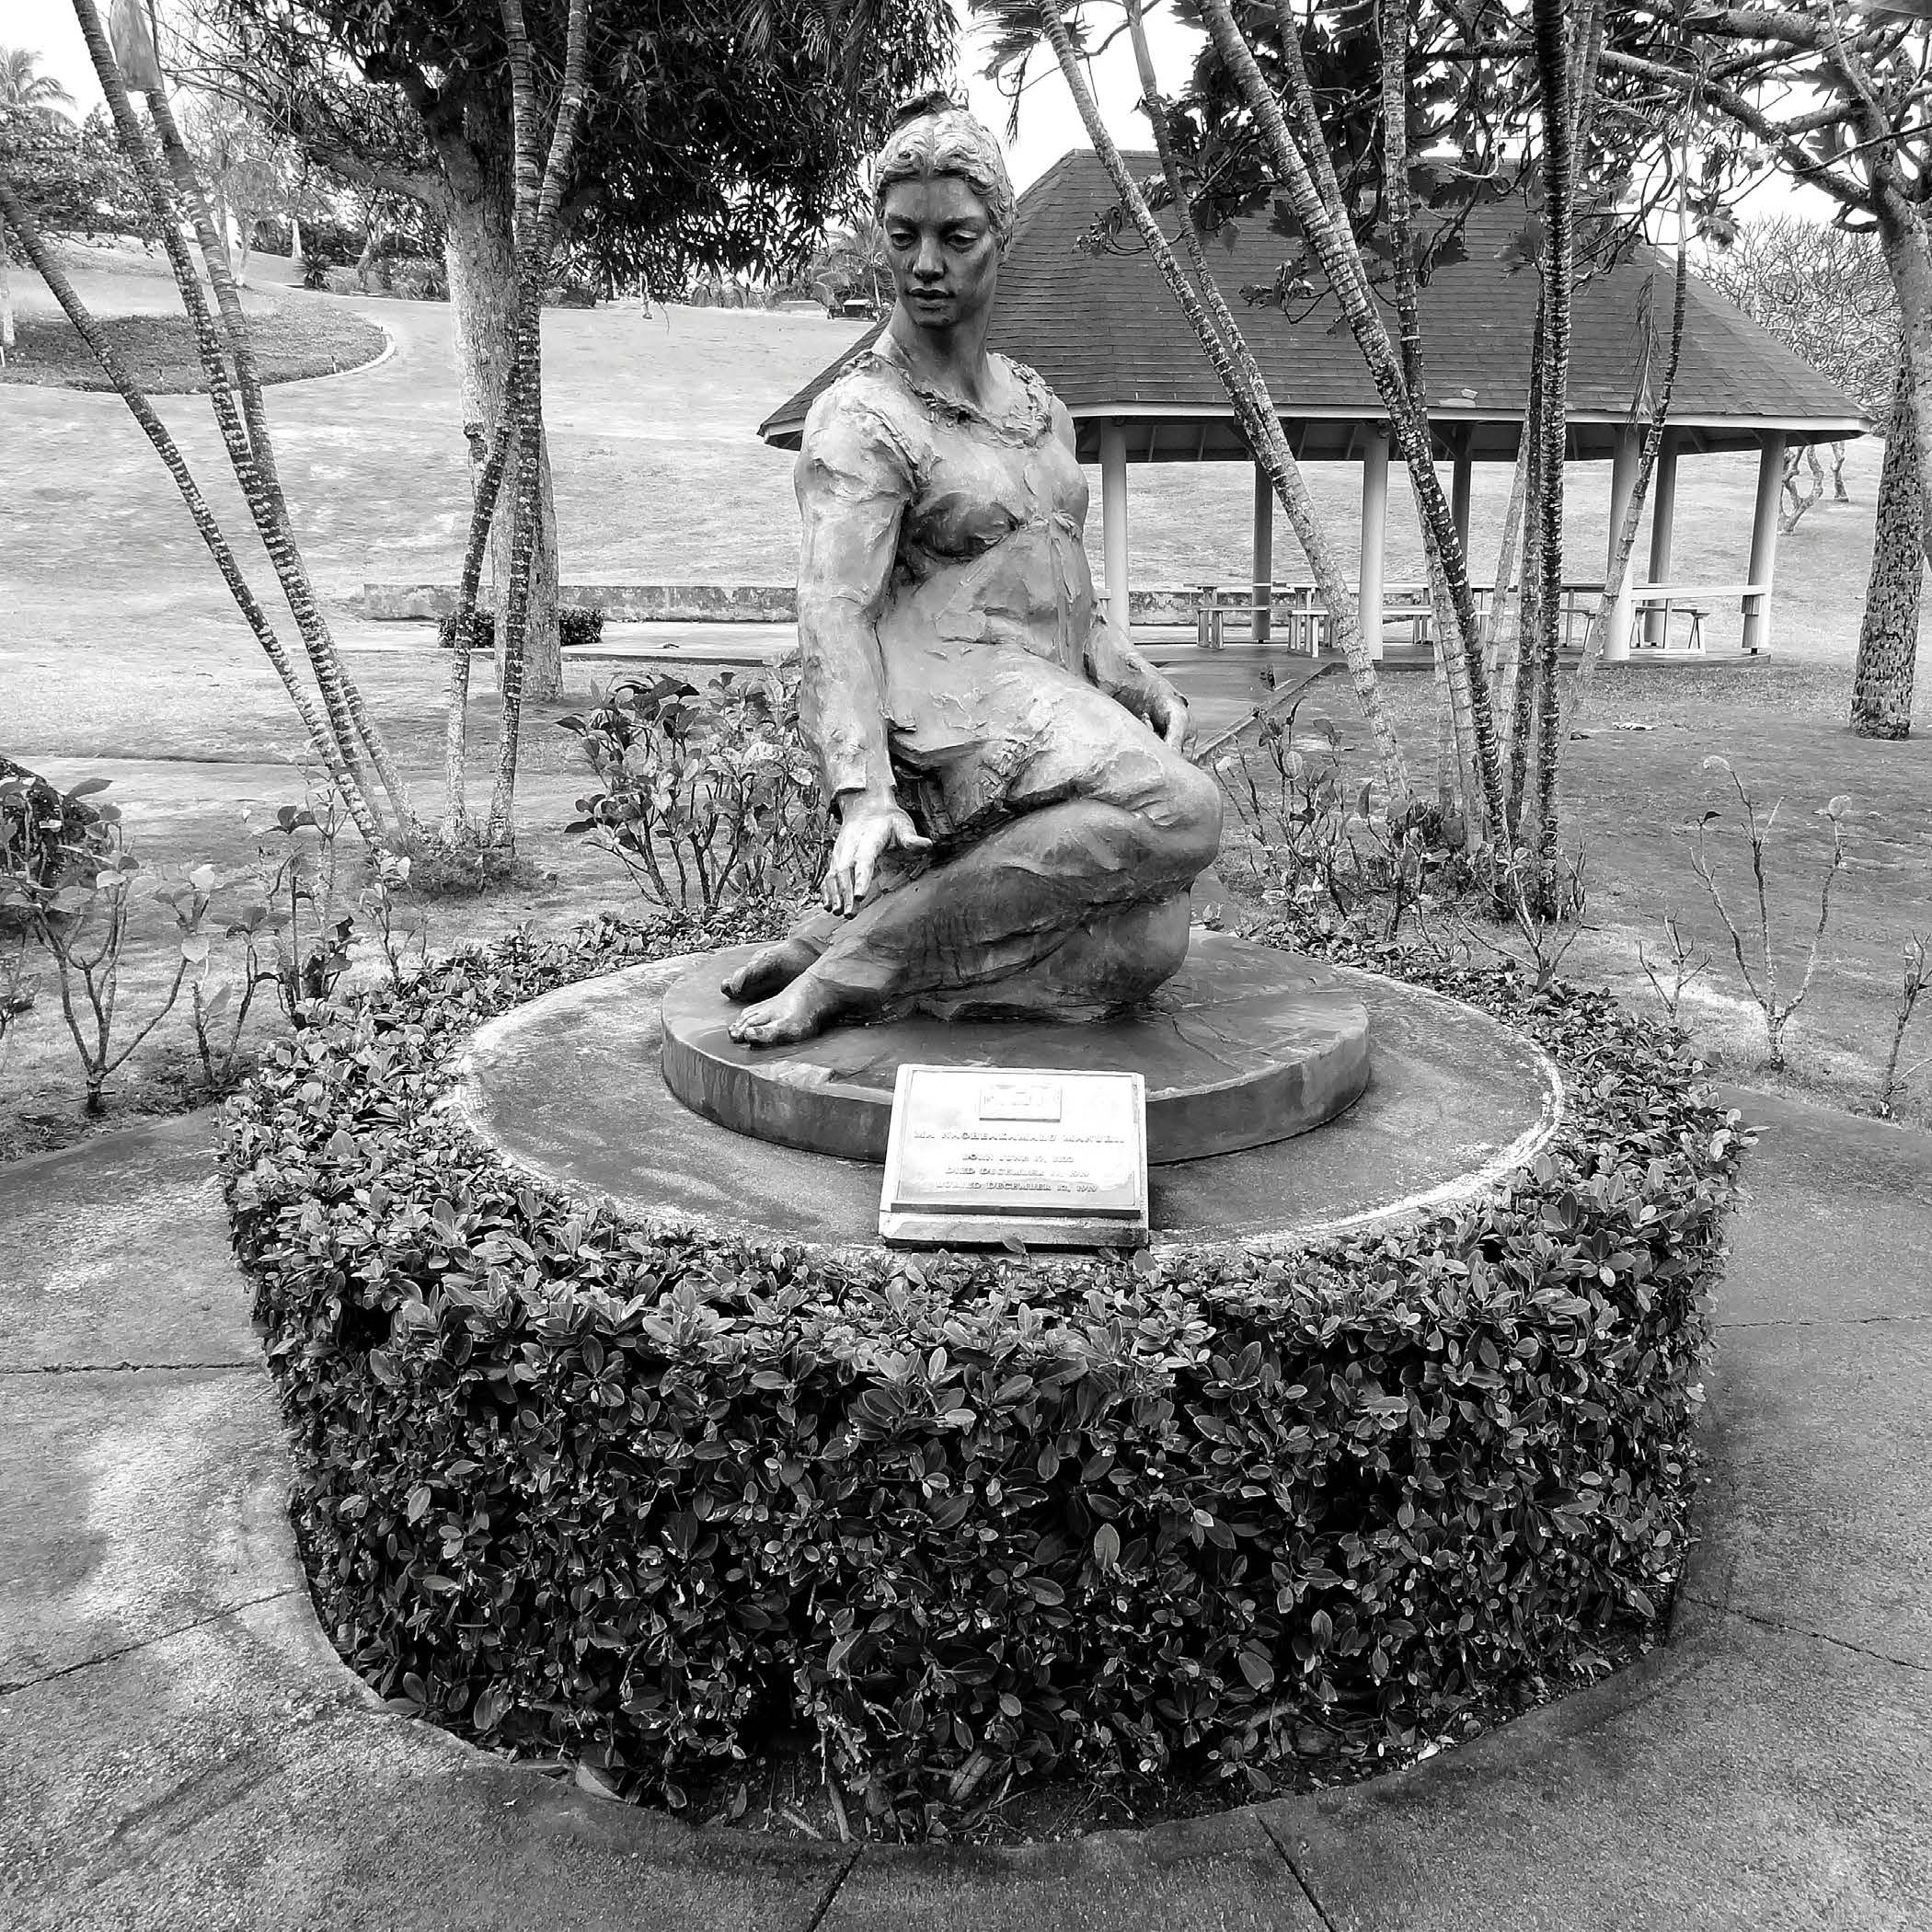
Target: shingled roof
{"points": [[1108, 336]]}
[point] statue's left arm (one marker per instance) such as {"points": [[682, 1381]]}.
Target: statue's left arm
{"points": [[1115, 666]]}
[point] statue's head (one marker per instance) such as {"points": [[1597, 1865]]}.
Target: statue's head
{"points": [[934, 136], [945, 205]]}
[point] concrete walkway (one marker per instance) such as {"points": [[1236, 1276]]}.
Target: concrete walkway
{"points": [[180, 1748]]}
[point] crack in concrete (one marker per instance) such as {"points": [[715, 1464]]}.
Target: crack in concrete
{"points": [[1837, 1321], [10, 1688], [123, 1368], [1784, 1629], [832, 1891], [1295, 1871]]}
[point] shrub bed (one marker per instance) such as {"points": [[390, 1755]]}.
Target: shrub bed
{"points": [[572, 1485], [291, 345]]}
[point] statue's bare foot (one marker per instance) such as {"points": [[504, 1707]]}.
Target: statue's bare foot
{"points": [[805, 1008], [768, 971]]}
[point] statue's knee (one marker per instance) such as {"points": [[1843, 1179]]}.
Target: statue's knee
{"points": [[1195, 808]]}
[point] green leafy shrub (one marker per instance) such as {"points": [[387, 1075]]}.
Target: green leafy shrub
{"points": [[482, 630], [67, 882], [646, 1498], [42, 829], [706, 798], [579, 629]]}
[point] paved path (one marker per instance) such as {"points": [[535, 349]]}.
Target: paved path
{"points": [[179, 1747]]}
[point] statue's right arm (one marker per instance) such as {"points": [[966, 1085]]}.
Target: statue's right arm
{"points": [[854, 481]]}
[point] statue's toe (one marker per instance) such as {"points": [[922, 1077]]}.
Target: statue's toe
{"points": [[767, 971], [797, 1013]]}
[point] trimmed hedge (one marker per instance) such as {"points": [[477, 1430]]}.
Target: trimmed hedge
{"points": [[572, 1485]]}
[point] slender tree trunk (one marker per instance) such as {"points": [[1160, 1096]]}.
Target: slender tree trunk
{"points": [[210, 532], [1500, 638], [1553, 57], [1458, 774], [539, 193], [1654, 431], [1520, 678], [1341, 263], [6, 299], [1888, 637], [347, 717], [479, 251], [1229, 356], [227, 300], [488, 488]]}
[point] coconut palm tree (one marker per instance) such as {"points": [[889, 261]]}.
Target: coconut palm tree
{"points": [[20, 86]]}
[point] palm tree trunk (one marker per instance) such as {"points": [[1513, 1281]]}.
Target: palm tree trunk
{"points": [[156, 432], [1457, 775], [1519, 681], [1888, 637], [1559, 195], [228, 297], [1232, 363], [349, 717], [1341, 263]]}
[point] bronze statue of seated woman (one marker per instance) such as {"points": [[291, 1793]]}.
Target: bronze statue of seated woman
{"points": [[1017, 827]]}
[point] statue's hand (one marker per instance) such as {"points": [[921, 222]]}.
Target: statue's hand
{"points": [[868, 829], [1168, 713]]}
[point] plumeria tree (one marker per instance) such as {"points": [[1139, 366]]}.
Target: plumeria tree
{"points": [[1833, 95]]}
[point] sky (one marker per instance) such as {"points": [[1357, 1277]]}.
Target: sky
{"points": [[1049, 122]]}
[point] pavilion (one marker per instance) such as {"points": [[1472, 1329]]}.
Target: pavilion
{"points": [[1109, 339]]}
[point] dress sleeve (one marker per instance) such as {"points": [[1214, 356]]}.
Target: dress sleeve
{"points": [[855, 478]]}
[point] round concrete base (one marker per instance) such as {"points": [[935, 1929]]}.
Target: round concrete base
{"points": [[1246, 1044], [568, 1088]]}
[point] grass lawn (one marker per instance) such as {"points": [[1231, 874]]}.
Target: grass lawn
{"points": [[119, 653]]}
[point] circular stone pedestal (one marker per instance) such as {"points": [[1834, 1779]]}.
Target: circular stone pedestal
{"points": [[567, 1089], [1244, 1046]]}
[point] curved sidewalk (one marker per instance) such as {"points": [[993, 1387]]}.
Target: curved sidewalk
{"points": [[180, 1748]]}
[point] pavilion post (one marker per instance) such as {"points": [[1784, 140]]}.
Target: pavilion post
{"points": [[1264, 555], [1462, 477], [1113, 518], [1663, 514], [1623, 487], [1764, 541], [1375, 526]]}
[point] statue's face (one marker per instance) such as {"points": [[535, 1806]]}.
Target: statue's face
{"points": [[942, 251]]}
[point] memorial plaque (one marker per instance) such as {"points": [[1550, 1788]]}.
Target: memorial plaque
{"points": [[987, 1156]]}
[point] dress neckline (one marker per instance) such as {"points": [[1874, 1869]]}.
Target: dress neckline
{"points": [[1025, 423]]}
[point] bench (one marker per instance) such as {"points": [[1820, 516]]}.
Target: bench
{"points": [[1296, 622]]}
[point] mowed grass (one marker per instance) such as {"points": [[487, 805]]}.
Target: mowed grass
{"points": [[119, 653]]}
